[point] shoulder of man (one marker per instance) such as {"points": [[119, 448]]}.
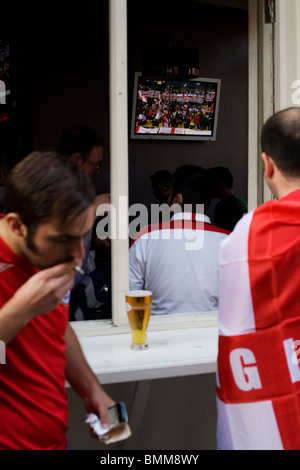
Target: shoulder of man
{"points": [[148, 231], [235, 245]]}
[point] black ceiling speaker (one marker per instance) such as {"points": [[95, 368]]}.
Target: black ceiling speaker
{"points": [[171, 62]]}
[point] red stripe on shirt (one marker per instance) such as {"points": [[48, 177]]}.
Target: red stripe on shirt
{"points": [[179, 224]]}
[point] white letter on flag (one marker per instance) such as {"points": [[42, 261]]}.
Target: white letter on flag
{"points": [[246, 378]]}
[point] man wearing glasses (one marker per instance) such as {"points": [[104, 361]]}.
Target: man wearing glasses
{"points": [[85, 148]]}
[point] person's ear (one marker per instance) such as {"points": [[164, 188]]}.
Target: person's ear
{"points": [[177, 199], [269, 165], [16, 225], [76, 157]]}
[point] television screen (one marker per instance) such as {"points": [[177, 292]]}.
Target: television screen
{"points": [[175, 109]]}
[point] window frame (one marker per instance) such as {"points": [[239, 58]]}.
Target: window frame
{"points": [[261, 42]]}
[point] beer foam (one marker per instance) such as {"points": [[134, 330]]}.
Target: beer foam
{"points": [[139, 293]]}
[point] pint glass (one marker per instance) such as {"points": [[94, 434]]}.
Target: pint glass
{"points": [[138, 306]]}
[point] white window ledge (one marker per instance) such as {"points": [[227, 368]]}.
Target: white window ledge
{"points": [[179, 345]]}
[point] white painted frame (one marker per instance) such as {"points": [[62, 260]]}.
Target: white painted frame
{"points": [[119, 154]]}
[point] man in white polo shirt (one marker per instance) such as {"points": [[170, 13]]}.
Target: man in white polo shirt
{"points": [[178, 260]]}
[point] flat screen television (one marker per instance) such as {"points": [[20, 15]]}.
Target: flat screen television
{"points": [[175, 109]]}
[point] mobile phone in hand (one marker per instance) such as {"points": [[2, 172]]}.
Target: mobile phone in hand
{"points": [[117, 414]]}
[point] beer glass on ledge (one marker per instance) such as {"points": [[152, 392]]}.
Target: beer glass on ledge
{"points": [[138, 306]]}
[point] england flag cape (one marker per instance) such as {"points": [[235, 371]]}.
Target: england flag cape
{"points": [[258, 379]]}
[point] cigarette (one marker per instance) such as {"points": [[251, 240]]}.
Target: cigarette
{"points": [[79, 270]]}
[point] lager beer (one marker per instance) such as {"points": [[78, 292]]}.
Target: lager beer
{"points": [[138, 306]]}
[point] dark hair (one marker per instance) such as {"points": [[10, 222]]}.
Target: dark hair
{"points": [[182, 174], [78, 139], [280, 139], [197, 190], [161, 177], [3, 161], [46, 186], [218, 174]]}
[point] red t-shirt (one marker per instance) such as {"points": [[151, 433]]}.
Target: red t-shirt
{"points": [[33, 398]]}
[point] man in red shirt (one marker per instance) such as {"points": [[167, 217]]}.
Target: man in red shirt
{"points": [[49, 208]]}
